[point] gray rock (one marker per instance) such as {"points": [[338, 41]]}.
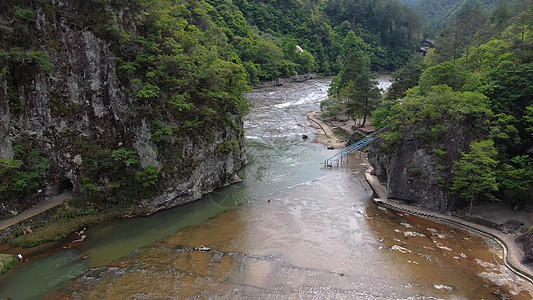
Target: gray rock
{"points": [[413, 172], [83, 98]]}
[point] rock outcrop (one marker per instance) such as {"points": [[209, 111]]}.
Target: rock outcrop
{"points": [[526, 243], [81, 105], [415, 171]]}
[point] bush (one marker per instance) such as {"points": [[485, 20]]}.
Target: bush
{"points": [[390, 140], [7, 261], [227, 147], [23, 175], [24, 14], [148, 177]]}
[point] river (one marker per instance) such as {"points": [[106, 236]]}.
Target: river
{"points": [[291, 230]]}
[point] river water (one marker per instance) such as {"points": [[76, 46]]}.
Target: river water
{"points": [[291, 230]]}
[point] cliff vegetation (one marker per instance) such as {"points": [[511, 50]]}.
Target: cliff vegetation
{"points": [[140, 103], [458, 123]]}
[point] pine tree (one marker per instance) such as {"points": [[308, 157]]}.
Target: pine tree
{"points": [[356, 84]]}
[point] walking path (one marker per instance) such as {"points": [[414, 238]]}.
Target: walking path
{"points": [[329, 139], [326, 128], [46, 205], [511, 251]]}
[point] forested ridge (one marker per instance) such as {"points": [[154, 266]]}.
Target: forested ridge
{"points": [[438, 13], [474, 87]]}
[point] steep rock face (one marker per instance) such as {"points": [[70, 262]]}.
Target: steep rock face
{"points": [[81, 105], [416, 171], [213, 171], [81, 96]]}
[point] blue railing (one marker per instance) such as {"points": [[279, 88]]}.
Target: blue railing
{"points": [[337, 158]]}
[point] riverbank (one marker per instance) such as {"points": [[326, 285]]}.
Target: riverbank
{"points": [[513, 254]]}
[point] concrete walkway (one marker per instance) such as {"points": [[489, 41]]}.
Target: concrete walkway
{"points": [[325, 128], [511, 251], [328, 137], [46, 205]]}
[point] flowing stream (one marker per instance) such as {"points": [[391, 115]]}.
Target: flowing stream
{"points": [[291, 230]]}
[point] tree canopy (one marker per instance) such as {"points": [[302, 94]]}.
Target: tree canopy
{"points": [[479, 73]]}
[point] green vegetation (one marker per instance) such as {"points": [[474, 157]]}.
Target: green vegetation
{"points": [[116, 177], [438, 13], [476, 79], [227, 147], [390, 29], [474, 172], [22, 175], [355, 88], [7, 261], [67, 221]]}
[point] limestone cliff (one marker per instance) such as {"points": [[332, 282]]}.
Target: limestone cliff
{"points": [[420, 172], [112, 132]]}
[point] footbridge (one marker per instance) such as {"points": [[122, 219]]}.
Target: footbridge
{"points": [[337, 158]]}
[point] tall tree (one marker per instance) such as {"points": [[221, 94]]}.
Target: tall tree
{"points": [[459, 36], [474, 175], [356, 84]]}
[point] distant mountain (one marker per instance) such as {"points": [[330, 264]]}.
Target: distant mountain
{"points": [[437, 13]]}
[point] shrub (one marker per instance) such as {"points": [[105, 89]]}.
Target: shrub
{"points": [[148, 177], [24, 14], [7, 261], [227, 147], [21, 176]]}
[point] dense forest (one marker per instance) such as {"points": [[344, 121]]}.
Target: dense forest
{"points": [[478, 78], [438, 13]]}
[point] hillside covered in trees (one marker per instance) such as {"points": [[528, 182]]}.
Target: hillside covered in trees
{"points": [[459, 122], [438, 13]]}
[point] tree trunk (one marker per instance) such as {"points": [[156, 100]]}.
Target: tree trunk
{"points": [[365, 113]]}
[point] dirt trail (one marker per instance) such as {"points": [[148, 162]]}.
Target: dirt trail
{"points": [[328, 137]]}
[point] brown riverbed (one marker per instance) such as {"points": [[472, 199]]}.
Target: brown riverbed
{"points": [[324, 240]]}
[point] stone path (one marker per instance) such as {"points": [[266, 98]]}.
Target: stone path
{"points": [[46, 205], [511, 251]]}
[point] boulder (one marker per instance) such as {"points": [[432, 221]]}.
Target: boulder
{"points": [[526, 243]]}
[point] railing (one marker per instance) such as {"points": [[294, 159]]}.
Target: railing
{"points": [[337, 158]]}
